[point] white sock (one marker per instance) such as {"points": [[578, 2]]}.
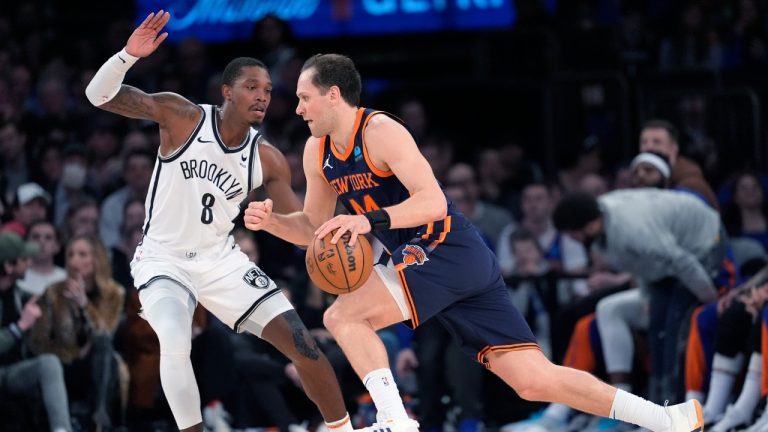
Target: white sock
{"points": [[724, 371], [343, 425], [558, 411], [636, 410], [750, 392], [383, 389]]}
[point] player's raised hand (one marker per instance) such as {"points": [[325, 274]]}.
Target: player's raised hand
{"points": [[257, 214], [145, 40]]}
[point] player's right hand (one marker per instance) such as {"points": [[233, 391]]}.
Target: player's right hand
{"points": [[257, 214], [145, 40]]}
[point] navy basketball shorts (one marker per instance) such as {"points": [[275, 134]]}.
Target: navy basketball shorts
{"points": [[449, 273]]}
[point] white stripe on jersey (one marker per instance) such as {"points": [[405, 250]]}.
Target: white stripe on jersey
{"points": [[195, 192]]}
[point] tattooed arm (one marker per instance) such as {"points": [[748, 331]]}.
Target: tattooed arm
{"points": [[176, 115]]}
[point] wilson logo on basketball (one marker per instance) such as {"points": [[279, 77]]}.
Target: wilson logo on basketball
{"points": [[414, 255]]}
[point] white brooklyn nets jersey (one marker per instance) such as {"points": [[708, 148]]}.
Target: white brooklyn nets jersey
{"points": [[195, 192]]}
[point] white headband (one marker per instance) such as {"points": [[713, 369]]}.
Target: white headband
{"points": [[654, 160]]}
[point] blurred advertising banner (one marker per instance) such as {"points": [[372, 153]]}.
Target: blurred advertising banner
{"points": [[227, 20]]}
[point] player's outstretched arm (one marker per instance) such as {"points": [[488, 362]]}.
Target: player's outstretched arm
{"points": [[107, 91], [297, 227]]}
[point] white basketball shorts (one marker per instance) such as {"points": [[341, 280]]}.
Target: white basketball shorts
{"points": [[221, 279]]}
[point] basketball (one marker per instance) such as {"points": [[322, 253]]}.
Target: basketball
{"points": [[339, 268]]}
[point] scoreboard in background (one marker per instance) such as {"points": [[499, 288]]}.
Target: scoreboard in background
{"points": [[225, 20]]}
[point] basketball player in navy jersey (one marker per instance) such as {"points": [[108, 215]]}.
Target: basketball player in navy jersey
{"points": [[209, 159], [438, 266]]}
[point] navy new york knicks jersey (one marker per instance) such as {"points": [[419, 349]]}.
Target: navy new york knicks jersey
{"points": [[362, 187], [444, 268]]}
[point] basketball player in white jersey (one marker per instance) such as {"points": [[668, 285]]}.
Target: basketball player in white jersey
{"points": [[209, 159]]}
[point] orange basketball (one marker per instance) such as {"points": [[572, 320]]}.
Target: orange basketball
{"points": [[339, 268]]}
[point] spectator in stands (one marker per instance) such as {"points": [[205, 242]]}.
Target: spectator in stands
{"points": [[13, 158], [137, 173], [578, 162], [747, 214], [38, 377], [29, 206], [82, 218], [661, 136], [105, 165], [593, 184], [489, 218], [694, 45], [131, 233], [43, 273], [561, 252], [78, 319], [73, 184], [636, 231]]}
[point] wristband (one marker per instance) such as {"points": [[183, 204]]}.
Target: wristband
{"points": [[379, 220], [106, 83]]}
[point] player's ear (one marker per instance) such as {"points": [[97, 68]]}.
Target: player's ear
{"points": [[226, 92], [335, 94]]}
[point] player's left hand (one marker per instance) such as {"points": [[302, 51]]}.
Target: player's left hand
{"points": [[355, 224]]}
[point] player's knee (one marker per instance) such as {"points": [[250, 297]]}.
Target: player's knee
{"points": [[333, 318], [532, 388]]}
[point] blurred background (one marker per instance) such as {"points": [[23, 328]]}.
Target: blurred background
{"points": [[513, 102]]}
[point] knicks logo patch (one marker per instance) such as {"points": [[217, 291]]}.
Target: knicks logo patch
{"points": [[256, 278], [413, 254]]}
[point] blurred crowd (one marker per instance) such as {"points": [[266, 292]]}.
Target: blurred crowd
{"points": [[73, 183]]}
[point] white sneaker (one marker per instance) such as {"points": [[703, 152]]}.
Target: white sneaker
{"points": [[392, 425], [732, 418], [686, 417], [760, 425]]}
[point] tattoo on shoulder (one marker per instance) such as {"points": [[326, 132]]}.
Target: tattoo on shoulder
{"points": [[302, 340]]}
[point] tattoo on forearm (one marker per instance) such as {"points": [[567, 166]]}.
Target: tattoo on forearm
{"points": [[302, 340], [134, 103], [130, 102]]}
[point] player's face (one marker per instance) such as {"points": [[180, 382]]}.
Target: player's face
{"points": [[312, 105], [647, 175], [250, 94], [80, 259]]}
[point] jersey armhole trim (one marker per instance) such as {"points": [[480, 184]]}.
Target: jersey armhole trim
{"points": [[321, 152], [173, 156], [253, 153], [373, 168]]}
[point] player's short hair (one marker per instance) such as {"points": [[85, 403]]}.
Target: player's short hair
{"points": [[336, 70], [576, 210], [663, 124], [235, 67]]}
